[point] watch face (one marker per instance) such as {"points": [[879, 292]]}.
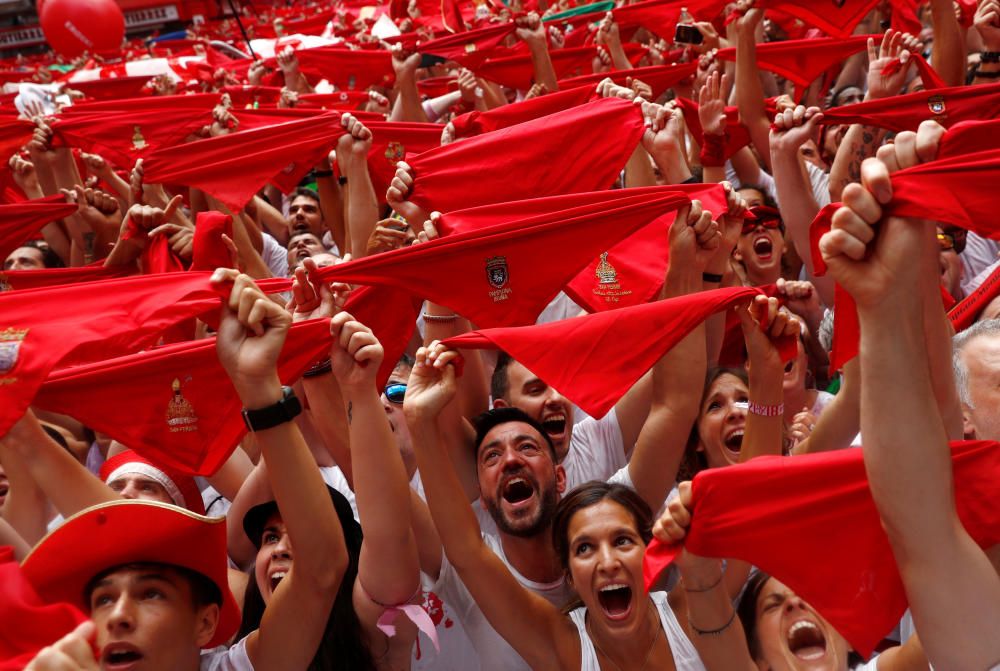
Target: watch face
{"points": [[479, 91]]}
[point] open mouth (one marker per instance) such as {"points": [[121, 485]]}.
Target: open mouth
{"points": [[120, 657], [734, 441], [763, 247], [276, 578], [301, 254], [517, 490], [806, 640], [4, 488], [615, 600], [554, 425]]}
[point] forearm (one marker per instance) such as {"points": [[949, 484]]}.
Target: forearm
{"points": [[407, 105], [764, 435], [859, 143], [232, 474], [639, 169], [8, 536], [709, 608], [455, 522], [255, 490], [473, 386], [272, 220], [938, 331], [362, 206], [541, 63], [250, 259], [841, 419], [948, 46], [329, 416], [672, 164], [331, 202], [750, 95]]}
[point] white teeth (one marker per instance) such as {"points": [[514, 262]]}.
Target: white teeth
{"points": [[801, 624], [516, 481], [556, 418], [609, 588], [278, 575]]}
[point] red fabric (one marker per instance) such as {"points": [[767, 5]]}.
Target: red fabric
{"points": [[345, 68], [41, 328], [506, 274], [970, 137], [130, 397], [659, 77], [208, 250], [639, 261], [147, 103], [964, 313], [580, 149], [517, 71], [928, 75], [50, 277], [394, 141], [113, 88], [21, 221], [337, 99], [27, 624], [947, 106], [122, 137], [834, 19], [737, 135], [14, 134], [661, 17], [469, 48], [803, 61], [820, 505], [600, 356], [243, 96], [234, 167], [477, 123]]}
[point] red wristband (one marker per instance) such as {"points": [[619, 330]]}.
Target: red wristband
{"points": [[713, 150]]}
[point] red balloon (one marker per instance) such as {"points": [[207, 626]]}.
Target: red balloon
{"points": [[72, 27]]}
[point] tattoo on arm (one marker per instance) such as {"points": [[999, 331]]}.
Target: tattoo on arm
{"points": [[350, 412]]}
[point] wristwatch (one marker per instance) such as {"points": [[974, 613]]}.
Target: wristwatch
{"points": [[285, 410]]}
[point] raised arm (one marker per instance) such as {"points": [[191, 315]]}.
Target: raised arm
{"points": [[749, 90], [952, 588], [251, 334], [380, 481], [532, 625], [694, 237], [362, 207], [531, 29]]}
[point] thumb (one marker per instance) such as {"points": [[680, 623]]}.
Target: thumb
{"points": [[172, 206]]}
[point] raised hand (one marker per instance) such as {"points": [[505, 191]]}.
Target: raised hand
{"points": [[356, 353], [712, 104], [793, 127], [881, 85], [399, 189], [764, 324], [432, 382]]}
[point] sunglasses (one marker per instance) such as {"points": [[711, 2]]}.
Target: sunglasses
{"points": [[395, 393], [768, 217], [953, 240]]}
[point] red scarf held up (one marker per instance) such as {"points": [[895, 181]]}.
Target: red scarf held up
{"points": [[469, 48], [964, 313], [15, 280], [27, 624], [195, 427], [208, 250], [345, 68], [518, 72], [506, 274], [810, 522], [21, 221], [948, 106], [580, 149], [114, 88], [737, 135], [394, 141], [477, 123], [840, 19], [632, 271], [803, 61], [233, 167], [600, 356]]}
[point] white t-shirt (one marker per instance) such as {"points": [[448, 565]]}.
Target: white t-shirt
{"points": [[978, 255], [494, 653], [275, 256], [596, 450], [227, 659]]}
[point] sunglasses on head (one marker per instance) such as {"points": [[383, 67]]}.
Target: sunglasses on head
{"points": [[768, 217], [395, 392], [954, 239]]}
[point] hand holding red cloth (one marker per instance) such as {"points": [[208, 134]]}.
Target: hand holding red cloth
{"points": [[27, 624], [803, 61], [21, 221], [659, 77], [811, 523], [209, 251], [600, 356], [964, 313], [580, 149], [506, 274], [233, 167], [477, 123], [469, 48], [947, 106]]}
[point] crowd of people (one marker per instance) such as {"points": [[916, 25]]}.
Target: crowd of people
{"points": [[458, 336]]}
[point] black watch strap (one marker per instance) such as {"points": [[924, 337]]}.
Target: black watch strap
{"points": [[285, 410]]}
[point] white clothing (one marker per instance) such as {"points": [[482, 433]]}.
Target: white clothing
{"points": [[560, 307], [495, 654], [870, 665], [685, 656], [227, 659], [596, 450], [275, 256], [335, 478], [978, 255]]}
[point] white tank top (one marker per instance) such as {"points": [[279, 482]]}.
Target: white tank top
{"points": [[685, 656]]}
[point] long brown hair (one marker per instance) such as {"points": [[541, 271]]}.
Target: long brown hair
{"points": [[694, 460]]}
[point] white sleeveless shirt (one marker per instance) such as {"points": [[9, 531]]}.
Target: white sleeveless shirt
{"points": [[685, 656]]}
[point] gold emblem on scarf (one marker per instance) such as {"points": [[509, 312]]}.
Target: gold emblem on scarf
{"points": [[394, 153], [138, 141], [608, 288], [180, 413], [10, 348]]}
